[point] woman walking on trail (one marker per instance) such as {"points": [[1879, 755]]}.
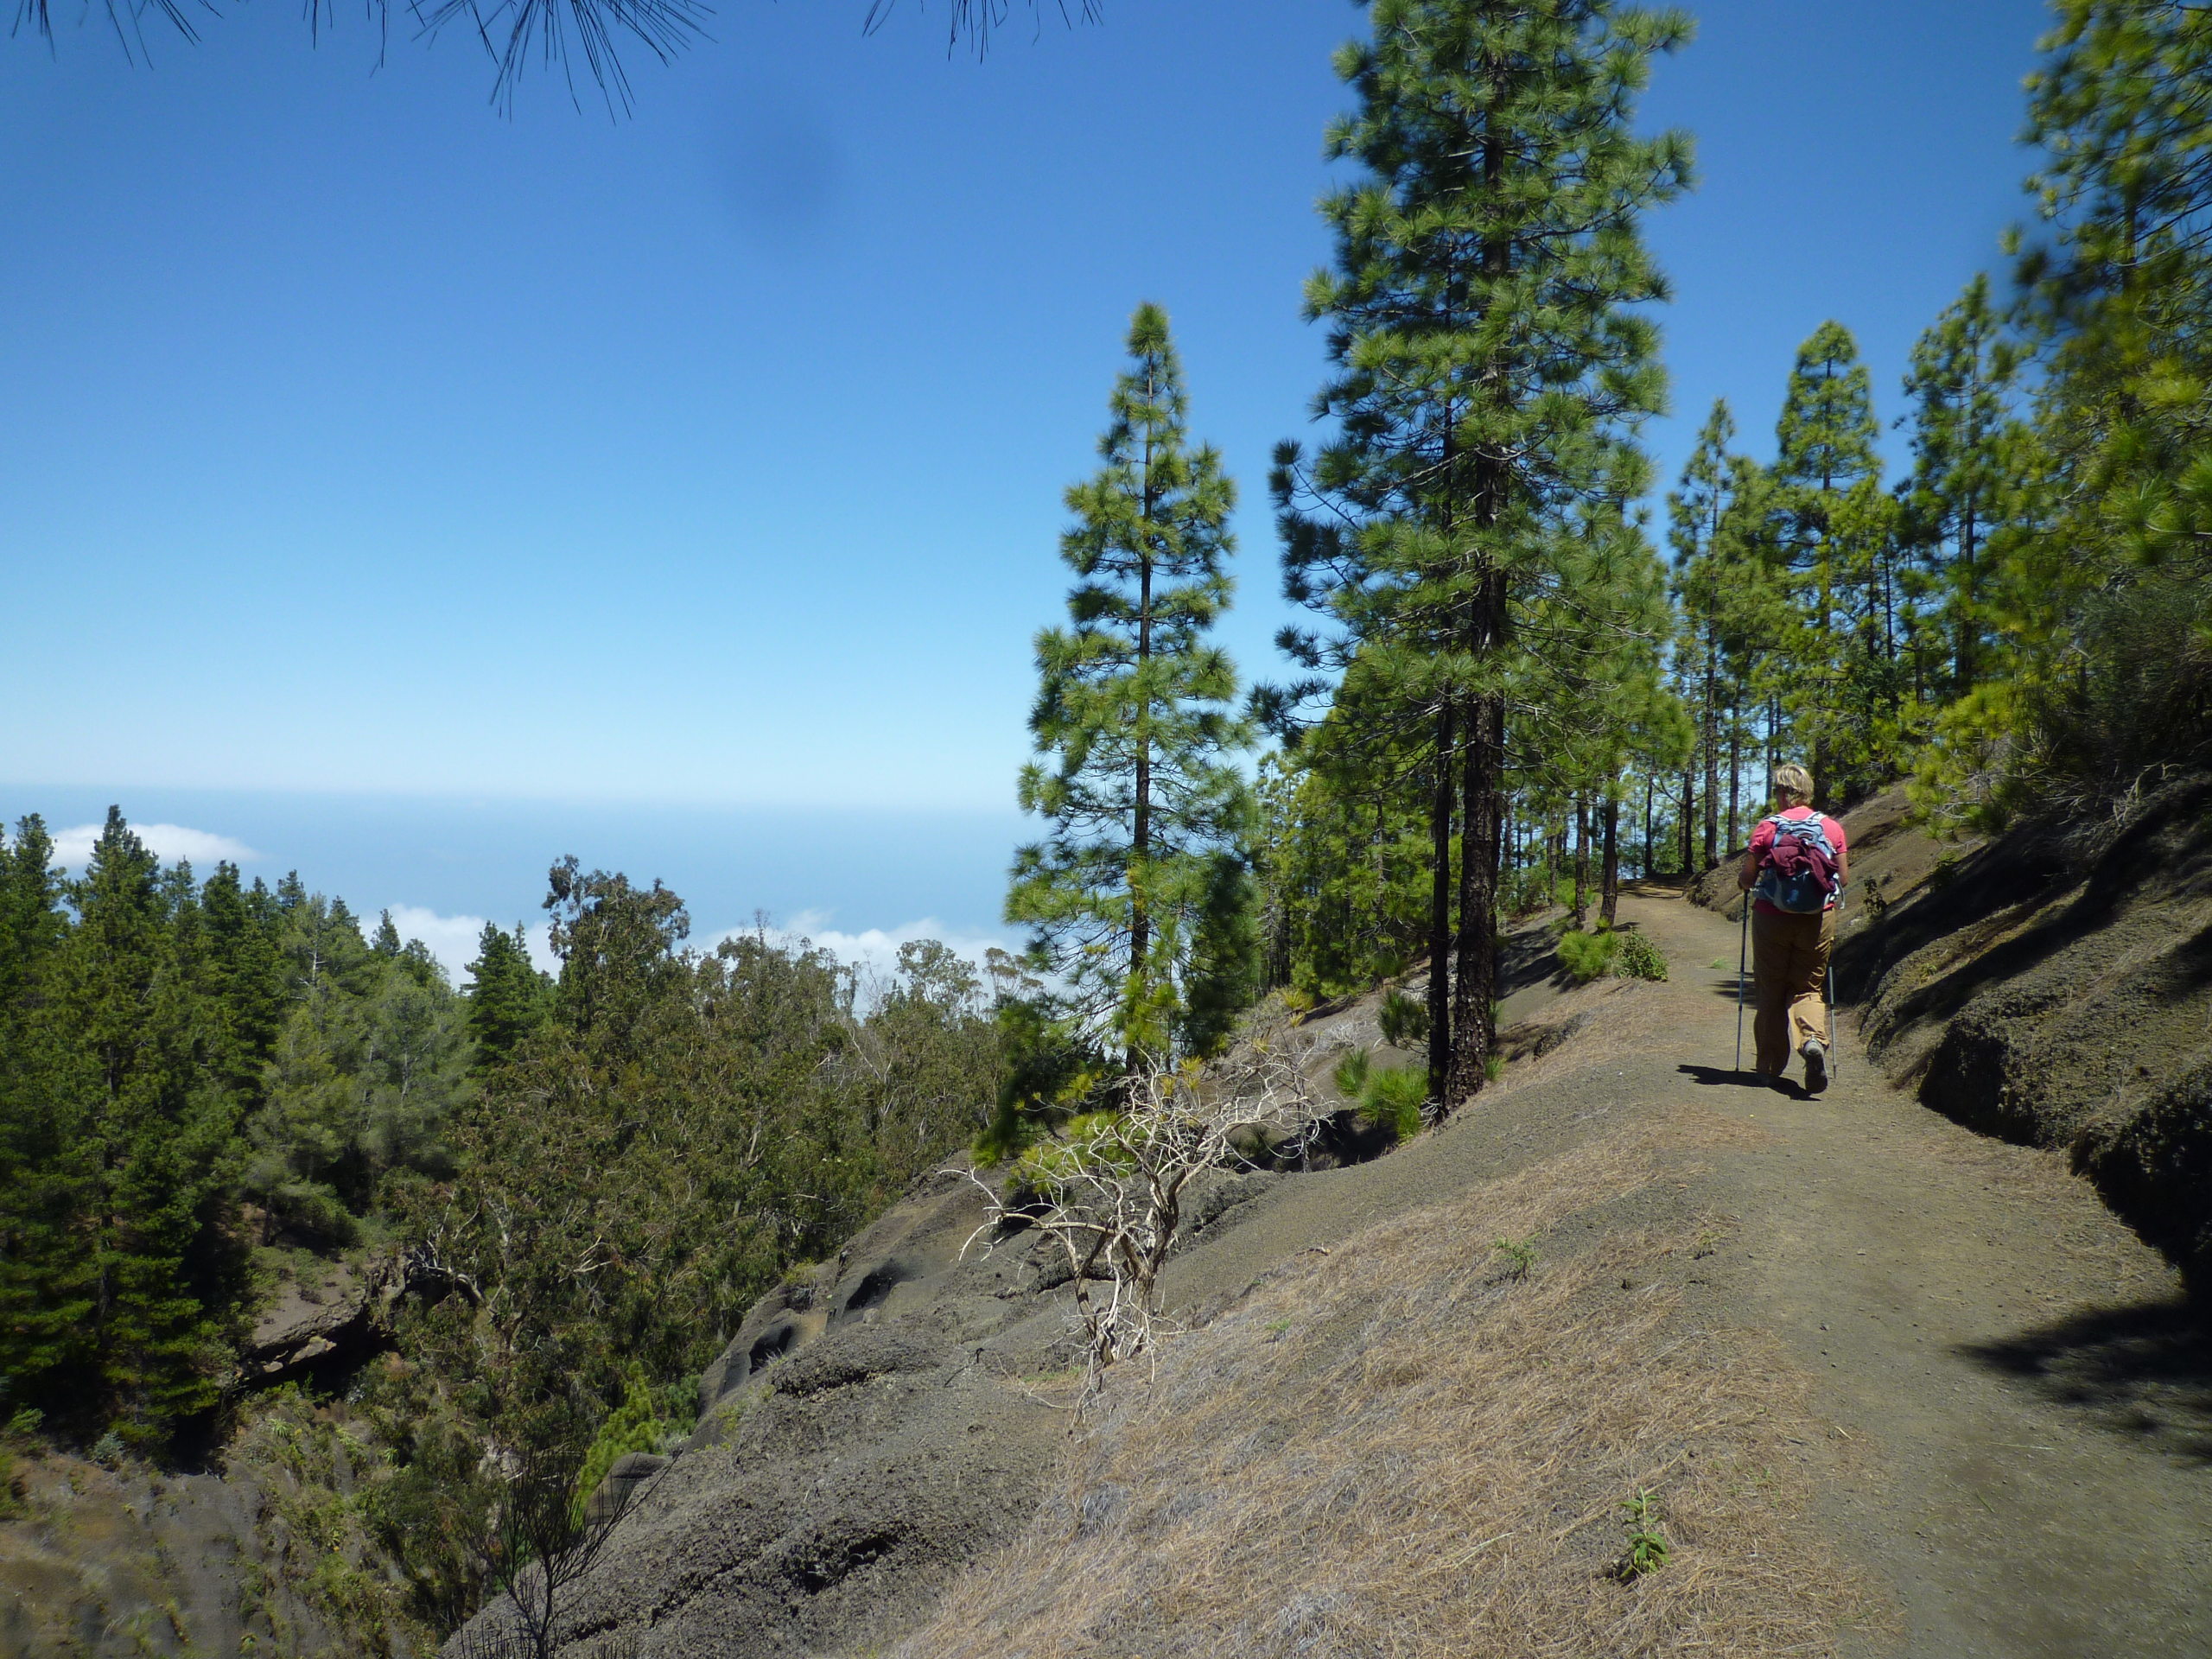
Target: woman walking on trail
{"points": [[1796, 866]]}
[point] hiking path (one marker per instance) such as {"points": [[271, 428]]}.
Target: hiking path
{"points": [[2022, 1369]]}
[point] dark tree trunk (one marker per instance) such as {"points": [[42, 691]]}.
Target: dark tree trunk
{"points": [[1141, 827], [1609, 880], [1581, 862], [1644, 866], [1735, 770], [1482, 801], [1689, 818], [1481, 831], [1964, 592], [1440, 909], [1711, 746]]}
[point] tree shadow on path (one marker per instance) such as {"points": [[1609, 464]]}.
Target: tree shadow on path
{"points": [[2143, 1372]]}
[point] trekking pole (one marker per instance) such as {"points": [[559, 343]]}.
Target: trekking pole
{"points": [[1828, 984], [1742, 950]]}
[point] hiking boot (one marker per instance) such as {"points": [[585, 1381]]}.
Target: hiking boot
{"points": [[1817, 1064]]}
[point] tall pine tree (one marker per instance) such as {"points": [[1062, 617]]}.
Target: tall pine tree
{"points": [[1148, 814], [147, 1146], [1962, 431], [1826, 452], [1696, 512], [1493, 361], [508, 998]]}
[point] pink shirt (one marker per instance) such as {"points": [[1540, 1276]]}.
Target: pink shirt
{"points": [[1763, 838]]}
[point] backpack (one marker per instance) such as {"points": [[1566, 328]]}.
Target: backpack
{"points": [[1799, 873]]}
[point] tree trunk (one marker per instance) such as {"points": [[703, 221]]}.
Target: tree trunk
{"points": [[1711, 746], [1644, 864], [1689, 818], [1481, 831], [1483, 804], [1440, 909], [1962, 589], [1609, 892], [1735, 770], [1581, 862], [1140, 826]]}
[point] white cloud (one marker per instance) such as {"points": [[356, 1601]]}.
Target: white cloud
{"points": [[453, 939], [875, 949], [72, 847]]}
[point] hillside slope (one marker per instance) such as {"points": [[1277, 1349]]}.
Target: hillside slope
{"points": [[1891, 1387]]}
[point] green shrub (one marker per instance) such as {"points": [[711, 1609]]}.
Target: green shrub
{"points": [[1404, 1020], [1520, 1255], [1586, 955], [1648, 1546], [1637, 957], [1393, 1097], [1388, 1096], [636, 1425], [1351, 1073], [1626, 956]]}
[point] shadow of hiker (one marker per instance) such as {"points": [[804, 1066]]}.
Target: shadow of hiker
{"points": [[1715, 1077], [2143, 1372]]}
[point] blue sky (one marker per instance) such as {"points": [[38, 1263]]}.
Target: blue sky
{"points": [[385, 479]]}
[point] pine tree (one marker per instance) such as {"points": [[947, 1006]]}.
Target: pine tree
{"points": [[148, 1145], [239, 970], [1491, 362], [1696, 512], [307, 1137], [508, 998], [44, 1296], [1825, 440], [1147, 812], [2108, 568], [1962, 374]]}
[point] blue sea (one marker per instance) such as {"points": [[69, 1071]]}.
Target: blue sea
{"points": [[859, 881]]}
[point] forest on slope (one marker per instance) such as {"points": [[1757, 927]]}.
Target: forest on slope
{"points": [[1508, 696], [213, 1088]]}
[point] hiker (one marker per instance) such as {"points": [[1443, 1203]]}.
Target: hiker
{"points": [[1796, 867]]}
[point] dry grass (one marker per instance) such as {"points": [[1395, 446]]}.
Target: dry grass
{"points": [[1400, 1448]]}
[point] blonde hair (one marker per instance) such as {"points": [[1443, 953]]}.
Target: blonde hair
{"points": [[1794, 780]]}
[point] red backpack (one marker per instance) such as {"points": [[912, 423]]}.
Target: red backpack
{"points": [[1799, 873]]}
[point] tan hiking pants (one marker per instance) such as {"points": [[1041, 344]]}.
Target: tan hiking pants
{"points": [[1789, 965]]}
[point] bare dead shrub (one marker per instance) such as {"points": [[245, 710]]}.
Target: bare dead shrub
{"points": [[548, 1541], [1114, 1199]]}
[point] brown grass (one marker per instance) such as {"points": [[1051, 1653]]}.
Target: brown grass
{"points": [[1400, 1449]]}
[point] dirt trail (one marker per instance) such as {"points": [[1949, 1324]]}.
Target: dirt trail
{"points": [[2035, 1403]]}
